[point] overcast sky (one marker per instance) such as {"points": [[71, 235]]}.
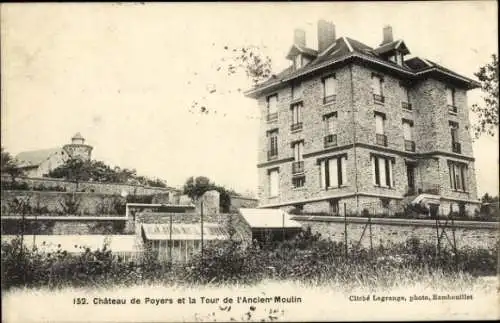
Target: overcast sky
{"points": [[126, 75]]}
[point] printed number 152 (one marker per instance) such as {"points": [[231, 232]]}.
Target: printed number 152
{"points": [[79, 300]]}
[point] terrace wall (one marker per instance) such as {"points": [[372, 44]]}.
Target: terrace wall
{"points": [[94, 187]]}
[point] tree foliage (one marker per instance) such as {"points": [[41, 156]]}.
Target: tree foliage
{"points": [[248, 60], [488, 112], [486, 198], [195, 187], [78, 170], [9, 165]]}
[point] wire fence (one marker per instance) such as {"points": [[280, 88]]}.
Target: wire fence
{"points": [[444, 225]]}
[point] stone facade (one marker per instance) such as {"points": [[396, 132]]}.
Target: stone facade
{"points": [[356, 139]]}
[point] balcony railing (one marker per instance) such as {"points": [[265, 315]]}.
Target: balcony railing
{"points": [[452, 109], [329, 98], [378, 98], [298, 167], [427, 188], [330, 140], [381, 139], [272, 154], [409, 145], [272, 116], [296, 126], [406, 105], [456, 147]]}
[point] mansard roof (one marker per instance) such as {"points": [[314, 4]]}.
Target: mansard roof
{"points": [[346, 50], [297, 49]]}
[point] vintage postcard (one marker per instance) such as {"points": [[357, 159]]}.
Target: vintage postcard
{"points": [[239, 161]]}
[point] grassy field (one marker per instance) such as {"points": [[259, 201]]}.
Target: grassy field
{"points": [[329, 301]]}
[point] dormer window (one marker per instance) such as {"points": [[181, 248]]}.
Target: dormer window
{"points": [[297, 62], [399, 58]]}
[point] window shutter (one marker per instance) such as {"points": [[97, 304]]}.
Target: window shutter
{"points": [[376, 85], [344, 170], [381, 171], [388, 172], [333, 172], [322, 174], [407, 130], [273, 104], [274, 183], [464, 174], [329, 86], [376, 179], [450, 170], [449, 96], [379, 124]]}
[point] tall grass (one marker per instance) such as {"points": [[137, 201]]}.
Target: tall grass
{"points": [[307, 258]]}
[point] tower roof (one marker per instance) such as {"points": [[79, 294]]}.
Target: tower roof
{"points": [[77, 136]]}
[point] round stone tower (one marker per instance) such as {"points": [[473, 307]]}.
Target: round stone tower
{"points": [[77, 148]]}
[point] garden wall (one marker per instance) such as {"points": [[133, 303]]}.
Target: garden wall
{"points": [[243, 202], [33, 183], [64, 227], [61, 203], [387, 233]]}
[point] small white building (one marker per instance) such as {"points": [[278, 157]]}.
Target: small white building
{"points": [[37, 163]]}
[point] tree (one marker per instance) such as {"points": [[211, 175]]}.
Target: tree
{"points": [[75, 170], [248, 60], [195, 187], [10, 166], [486, 198], [488, 112]]}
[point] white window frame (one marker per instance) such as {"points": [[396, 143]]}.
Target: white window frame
{"points": [[298, 150], [381, 163], [297, 61], [330, 123], [408, 130], [330, 166], [377, 85], [406, 94], [450, 96], [272, 108], [399, 58], [296, 113], [454, 132], [379, 124], [458, 176], [297, 91], [274, 182], [329, 86], [273, 141]]}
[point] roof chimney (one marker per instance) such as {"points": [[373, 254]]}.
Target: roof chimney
{"points": [[299, 37], [387, 35], [326, 34]]}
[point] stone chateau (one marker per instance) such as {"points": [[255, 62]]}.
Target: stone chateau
{"points": [[37, 163], [351, 124]]}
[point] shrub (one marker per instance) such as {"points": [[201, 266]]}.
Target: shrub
{"points": [[308, 257], [14, 185], [70, 204]]}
